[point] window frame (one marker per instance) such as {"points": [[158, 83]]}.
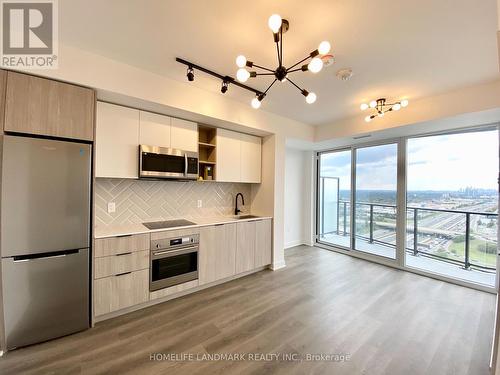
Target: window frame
{"points": [[401, 204]]}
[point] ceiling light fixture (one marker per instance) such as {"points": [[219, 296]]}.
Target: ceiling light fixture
{"points": [[229, 80], [257, 101], [281, 73], [318, 58], [382, 107]]}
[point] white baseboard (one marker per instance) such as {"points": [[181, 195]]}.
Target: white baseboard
{"points": [[297, 243], [277, 266]]}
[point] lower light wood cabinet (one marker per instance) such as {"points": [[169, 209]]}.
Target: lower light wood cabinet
{"points": [[217, 253], [245, 246], [121, 264], [120, 291], [263, 243], [253, 249]]}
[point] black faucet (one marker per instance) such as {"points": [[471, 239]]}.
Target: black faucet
{"points": [[236, 209]]}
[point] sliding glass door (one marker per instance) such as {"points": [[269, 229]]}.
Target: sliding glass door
{"points": [[375, 199], [452, 204], [427, 203], [334, 197]]}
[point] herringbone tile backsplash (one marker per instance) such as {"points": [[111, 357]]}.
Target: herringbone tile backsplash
{"points": [[138, 201]]}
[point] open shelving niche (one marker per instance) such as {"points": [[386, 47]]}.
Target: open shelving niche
{"points": [[207, 144]]}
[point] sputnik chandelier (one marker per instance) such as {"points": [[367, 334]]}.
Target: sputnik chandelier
{"points": [[380, 107], [280, 26]]}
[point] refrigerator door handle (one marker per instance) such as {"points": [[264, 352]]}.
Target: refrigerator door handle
{"points": [[41, 258], [51, 255]]}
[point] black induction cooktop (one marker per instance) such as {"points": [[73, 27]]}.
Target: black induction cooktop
{"points": [[168, 224]]}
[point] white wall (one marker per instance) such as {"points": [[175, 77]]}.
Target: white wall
{"points": [[298, 197]]}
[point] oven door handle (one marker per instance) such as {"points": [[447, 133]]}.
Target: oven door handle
{"points": [[171, 253]]}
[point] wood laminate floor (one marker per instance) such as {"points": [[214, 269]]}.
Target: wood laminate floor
{"points": [[386, 321]]}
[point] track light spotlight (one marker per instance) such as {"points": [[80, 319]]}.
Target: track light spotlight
{"points": [[224, 87], [190, 74]]}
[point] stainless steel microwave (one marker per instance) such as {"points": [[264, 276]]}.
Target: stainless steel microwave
{"points": [[161, 162]]}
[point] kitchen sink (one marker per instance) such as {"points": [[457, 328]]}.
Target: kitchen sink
{"points": [[241, 217]]}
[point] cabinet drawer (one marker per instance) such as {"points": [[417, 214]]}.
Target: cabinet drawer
{"points": [[115, 264], [118, 292], [173, 290], [119, 245]]}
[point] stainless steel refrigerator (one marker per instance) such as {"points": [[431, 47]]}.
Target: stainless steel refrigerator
{"points": [[44, 239]]}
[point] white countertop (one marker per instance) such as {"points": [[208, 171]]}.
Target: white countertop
{"points": [[128, 229]]}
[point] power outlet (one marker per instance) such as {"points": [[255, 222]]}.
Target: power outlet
{"points": [[200, 203], [111, 207]]}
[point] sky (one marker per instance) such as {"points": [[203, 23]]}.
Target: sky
{"points": [[444, 162]]}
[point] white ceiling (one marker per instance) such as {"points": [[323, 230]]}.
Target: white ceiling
{"points": [[397, 48]]}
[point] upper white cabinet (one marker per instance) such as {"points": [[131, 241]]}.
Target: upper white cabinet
{"points": [[238, 157], [251, 150], [117, 138], [120, 131], [228, 156], [154, 130], [164, 131], [184, 135]]}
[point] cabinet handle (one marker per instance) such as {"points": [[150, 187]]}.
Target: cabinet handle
{"points": [[119, 255], [121, 274], [124, 235], [218, 225]]}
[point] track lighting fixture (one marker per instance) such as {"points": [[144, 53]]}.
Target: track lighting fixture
{"points": [[190, 74], [381, 107], [226, 80]]}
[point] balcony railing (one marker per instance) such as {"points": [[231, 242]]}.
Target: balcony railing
{"points": [[343, 228]]}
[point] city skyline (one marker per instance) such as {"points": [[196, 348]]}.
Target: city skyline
{"points": [[436, 163]]}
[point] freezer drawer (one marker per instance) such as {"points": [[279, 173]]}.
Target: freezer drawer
{"points": [[45, 298]]}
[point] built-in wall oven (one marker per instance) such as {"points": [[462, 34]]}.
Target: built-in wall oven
{"points": [[161, 162], [173, 261]]}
